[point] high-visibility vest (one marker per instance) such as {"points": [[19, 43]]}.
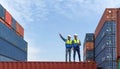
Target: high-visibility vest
{"points": [[76, 41], [69, 42]]}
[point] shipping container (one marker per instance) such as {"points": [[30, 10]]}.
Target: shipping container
{"points": [[47, 65], [118, 34], [109, 65], [1, 20], [88, 47], [108, 41], [14, 24], [118, 64], [105, 41], [108, 15], [8, 18], [2, 12], [19, 30], [10, 22], [108, 28], [89, 37], [13, 47], [12, 37], [105, 46], [90, 54], [8, 50]]}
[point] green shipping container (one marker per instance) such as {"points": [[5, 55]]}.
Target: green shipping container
{"points": [[119, 64]]}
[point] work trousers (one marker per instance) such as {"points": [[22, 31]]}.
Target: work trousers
{"points": [[68, 53], [74, 53]]}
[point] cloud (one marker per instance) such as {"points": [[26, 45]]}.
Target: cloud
{"points": [[29, 11], [81, 8], [26, 11]]}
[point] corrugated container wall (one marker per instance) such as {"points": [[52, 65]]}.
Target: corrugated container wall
{"points": [[105, 40], [110, 15], [89, 47], [118, 34], [105, 46], [13, 46], [47, 65], [2, 12], [118, 64], [14, 24], [19, 30]]}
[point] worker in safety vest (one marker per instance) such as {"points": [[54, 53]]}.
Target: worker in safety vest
{"points": [[68, 44], [76, 47]]}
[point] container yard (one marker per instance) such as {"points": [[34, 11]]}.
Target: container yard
{"points": [[101, 49]]}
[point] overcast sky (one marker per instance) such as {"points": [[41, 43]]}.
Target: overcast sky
{"points": [[44, 19]]}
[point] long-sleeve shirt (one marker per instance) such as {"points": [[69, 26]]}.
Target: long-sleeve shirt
{"points": [[63, 38], [67, 45]]}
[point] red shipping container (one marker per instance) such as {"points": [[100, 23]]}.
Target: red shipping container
{"points": [[47, 65], [108, 15], [118, 34], [1, 20], [89, 46], [8, 18], [19, 30]]}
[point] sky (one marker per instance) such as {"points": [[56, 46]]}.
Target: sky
{"points": [[43, 20]]}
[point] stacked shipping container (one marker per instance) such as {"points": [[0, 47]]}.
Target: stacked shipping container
{"points": [[13, 47], [105, 40], [89, 47], [10, 22]]}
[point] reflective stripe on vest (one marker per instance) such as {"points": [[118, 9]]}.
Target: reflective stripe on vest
{"points": [[69, 42], [76, 41]]}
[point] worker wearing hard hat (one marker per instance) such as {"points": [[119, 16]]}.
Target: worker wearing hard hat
{"points": [[76, 47], [68, 44]]}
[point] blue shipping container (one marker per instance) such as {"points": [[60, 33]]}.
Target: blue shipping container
{"points": [[105, 46], [12, 52], [11, 36], [14, 24], [107, 29], [2, 12]]}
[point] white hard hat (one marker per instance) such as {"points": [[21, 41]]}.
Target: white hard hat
{"points": [[75, 34], [69, 35]]}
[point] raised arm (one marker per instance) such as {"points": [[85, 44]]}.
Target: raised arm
{"points": [[62, 38]]}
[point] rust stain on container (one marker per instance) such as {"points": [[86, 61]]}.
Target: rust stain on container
{"points": [[47, 65]]}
